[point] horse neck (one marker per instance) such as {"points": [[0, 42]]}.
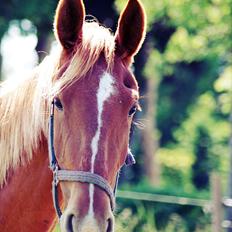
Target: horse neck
{"points": [[23, 118], [26, 199]]}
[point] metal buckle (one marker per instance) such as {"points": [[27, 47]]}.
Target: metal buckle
{"points": [[130, 159], [55, 175]]}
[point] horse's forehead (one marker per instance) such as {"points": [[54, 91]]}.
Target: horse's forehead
{"points": [[99, 80]]}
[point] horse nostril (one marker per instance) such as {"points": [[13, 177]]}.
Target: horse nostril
{"points": [[109, 225], [69, 225]]}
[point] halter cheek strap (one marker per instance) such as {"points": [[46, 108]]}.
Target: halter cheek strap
{"points": [[77, 176]]}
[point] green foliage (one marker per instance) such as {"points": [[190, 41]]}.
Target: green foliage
{"points": [[201, 167], [141, 221], [175, 224], [175, 164], [41, 13], [154, 216], [193, 67]]}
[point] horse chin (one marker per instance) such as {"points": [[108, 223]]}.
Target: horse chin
{"points": [[70, 223]]}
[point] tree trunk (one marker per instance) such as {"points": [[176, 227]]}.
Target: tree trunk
{"points": [[149, 133], [229, 209], [148, 77]]}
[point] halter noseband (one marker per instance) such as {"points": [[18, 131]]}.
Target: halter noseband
{"points": [[77, 176]]}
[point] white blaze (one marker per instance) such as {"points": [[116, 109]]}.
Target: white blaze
{"points": [[105, 90]]}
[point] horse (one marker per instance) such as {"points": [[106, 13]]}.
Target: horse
{"points": [[73, 114]]}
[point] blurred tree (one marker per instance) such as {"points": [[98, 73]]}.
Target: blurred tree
{"points": [[3, 25], [192, 38], [148, 74], [41, 14], [223, 87], [201, 167]]}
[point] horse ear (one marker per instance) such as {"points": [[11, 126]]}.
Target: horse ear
{"points": [[131, 29], [68, 23]]}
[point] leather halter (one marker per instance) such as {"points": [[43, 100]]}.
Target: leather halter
{"points": [[77, 176]]}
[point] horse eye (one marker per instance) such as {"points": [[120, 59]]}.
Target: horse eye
{"points": [[58, 104], [132, 111]]}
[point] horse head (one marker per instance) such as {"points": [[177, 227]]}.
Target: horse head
{"points": [[94, 104]]}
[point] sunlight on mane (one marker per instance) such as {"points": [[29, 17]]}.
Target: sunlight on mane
{"points": [[24, 103], [96, 40]]}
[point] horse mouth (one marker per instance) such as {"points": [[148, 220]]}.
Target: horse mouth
{"points": [[73, 224]]}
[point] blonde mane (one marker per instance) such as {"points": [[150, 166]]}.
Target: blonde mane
{"points": [[24, 106]]}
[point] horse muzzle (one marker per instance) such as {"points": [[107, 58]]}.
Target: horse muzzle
{"points": [[82, 214]]}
